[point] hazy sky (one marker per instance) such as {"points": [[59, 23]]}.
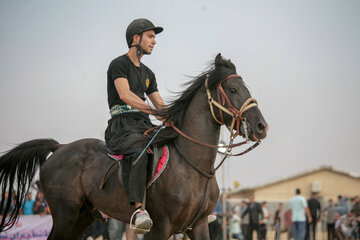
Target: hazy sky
{"points": [[301, 60]]}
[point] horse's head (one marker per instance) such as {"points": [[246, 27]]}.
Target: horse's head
{"points": [[236, 108]]}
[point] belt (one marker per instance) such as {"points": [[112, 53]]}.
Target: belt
{"points": [[119, 109]]}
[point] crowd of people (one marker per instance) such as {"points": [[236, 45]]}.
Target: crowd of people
{"points": [[298, 219], [31, 206]]}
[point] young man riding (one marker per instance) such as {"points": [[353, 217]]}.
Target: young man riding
{"points": [[128, 81]]}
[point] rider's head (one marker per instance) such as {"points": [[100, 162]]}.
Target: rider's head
{"points": [[141, 34]]}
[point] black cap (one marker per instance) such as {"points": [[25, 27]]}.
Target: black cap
{"points": [[139, 26]]}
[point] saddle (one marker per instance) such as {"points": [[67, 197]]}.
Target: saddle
{"points": [[158, 159]]}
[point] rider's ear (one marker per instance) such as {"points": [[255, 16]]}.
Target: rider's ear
{"points": [[218, 60]]}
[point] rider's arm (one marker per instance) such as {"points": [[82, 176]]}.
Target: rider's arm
{"points": [[156, 99], [126, 95]]}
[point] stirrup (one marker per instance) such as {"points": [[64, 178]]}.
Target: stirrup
{"points": [[132, 226]]}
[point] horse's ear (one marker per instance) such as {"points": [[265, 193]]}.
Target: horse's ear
{"points": [[218, 60]]}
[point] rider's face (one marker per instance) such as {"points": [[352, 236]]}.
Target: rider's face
{"points": [[148, 41]]}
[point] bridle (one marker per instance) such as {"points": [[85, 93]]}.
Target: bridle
{"points": [[226, 106]]}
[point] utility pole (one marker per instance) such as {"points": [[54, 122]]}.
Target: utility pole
{"points": [[222, 151]]}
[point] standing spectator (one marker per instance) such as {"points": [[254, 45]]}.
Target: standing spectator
{"points": [[299, 210], [349, 203], [330, 220], [244, 220], [11, 207], [315, 211], [40, 206], [217, 226], [356, 210], [263, 226], [255, 213], [28, 207], [115, 229], [277, 222], [288, 224], [235, 230], [96, 231], [341, 206]]}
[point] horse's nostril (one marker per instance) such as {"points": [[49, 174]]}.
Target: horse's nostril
{"points": [[260, 127]]}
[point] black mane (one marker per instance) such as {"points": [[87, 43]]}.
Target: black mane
{"points": [[216, 72]]}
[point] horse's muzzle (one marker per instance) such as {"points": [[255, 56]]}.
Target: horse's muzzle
{"points": [[256, 132]]}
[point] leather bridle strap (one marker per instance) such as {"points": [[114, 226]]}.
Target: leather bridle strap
{"points": [[230, 110], [205, 144], [213, 102]]}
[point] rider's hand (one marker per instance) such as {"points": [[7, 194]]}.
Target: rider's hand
{"points": [[168, 123]]}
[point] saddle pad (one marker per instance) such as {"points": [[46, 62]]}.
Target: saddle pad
{"points": [[160, 166]]}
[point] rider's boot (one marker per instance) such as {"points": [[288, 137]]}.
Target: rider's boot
{"points": [[143, 220]]}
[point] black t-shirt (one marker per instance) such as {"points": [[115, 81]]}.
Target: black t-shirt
{"points": [[141, 79], [315, 208]]}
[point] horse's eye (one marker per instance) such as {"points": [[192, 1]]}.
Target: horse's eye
{"points": [[233, 90]]}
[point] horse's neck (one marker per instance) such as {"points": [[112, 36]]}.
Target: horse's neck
{"points": [[199, 124]]}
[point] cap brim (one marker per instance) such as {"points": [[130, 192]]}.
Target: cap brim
{"points": [[158, 29]]}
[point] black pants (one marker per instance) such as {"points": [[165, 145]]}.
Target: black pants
{"points": [[311, 227], [215, 231], [331, 231], [245, 229], [251, 228], [124, 135], [262, 231]]}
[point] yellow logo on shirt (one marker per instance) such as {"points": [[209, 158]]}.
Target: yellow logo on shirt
{"points": [[147, 82]]}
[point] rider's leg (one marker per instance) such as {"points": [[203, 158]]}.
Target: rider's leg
{"points": [[136, 188]]}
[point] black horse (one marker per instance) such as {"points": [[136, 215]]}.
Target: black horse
{"points": [[182, 197]]}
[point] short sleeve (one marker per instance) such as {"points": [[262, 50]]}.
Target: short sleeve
{"points": [[305, 202], [153, 85], [117, 70]]}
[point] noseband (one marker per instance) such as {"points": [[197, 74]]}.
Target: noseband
{"points": [[226, 106]]}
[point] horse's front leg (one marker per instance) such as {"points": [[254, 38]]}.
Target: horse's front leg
{"points": [[159, 231], [200, 231]]}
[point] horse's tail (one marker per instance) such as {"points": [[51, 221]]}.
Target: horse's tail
{"points": [[17, 169]]}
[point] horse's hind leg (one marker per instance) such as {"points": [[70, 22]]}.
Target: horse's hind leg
{"points": [[84, 219], [64, 218]]}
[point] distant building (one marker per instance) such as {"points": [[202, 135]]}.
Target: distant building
{"points": [[326, 181]]}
